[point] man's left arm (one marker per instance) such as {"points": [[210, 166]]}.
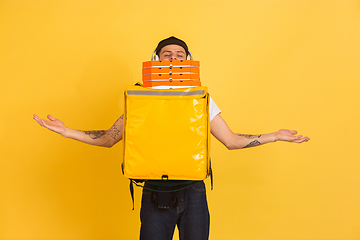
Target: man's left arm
{"points": [[232, 140]]}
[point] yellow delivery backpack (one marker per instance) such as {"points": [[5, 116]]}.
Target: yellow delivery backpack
{"points": [[166, 134]]}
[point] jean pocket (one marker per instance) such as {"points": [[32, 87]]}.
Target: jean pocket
{"points": [[146, 190], [199, 187]]}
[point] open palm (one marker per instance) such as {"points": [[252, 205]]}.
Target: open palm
{"points": [[52, 124], [290, 136]]}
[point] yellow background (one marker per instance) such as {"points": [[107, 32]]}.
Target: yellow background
{"points": [[268, 65]]}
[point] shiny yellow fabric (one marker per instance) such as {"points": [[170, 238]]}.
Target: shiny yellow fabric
{"points": [[167, 133]]}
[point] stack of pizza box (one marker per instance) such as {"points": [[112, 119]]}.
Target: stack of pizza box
{"points": [[184, 73]]}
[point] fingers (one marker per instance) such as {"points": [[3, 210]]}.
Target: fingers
{"points": [[290, 136], [41, 121], [301, 140], [38, 119], [51, 117]]}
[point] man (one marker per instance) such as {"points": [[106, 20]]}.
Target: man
{"points": [[191, 213]]}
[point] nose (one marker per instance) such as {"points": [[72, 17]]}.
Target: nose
{"points": [[173, 57]]}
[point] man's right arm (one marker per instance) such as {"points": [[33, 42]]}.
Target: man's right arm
{"points": [[103, 138]]}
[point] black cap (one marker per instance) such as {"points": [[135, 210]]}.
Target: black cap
{"points": [[170, 41]]}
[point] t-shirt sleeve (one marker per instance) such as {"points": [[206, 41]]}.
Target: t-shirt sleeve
{"points": [[214, 109]]}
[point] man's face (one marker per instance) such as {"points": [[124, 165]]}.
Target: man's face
{"points": [[172, 52]]}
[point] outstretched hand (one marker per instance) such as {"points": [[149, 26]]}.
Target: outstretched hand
{"points": [[290, 136], [54, 124]]}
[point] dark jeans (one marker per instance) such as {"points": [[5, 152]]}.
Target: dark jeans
{"points": [[191, 215]]}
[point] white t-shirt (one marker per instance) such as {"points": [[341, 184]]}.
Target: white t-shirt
{"points": [[213, 108]]}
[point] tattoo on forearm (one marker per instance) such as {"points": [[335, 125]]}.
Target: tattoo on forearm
{"points": [[248, 136], [95, 134], [253, 144], [114, 131]]}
